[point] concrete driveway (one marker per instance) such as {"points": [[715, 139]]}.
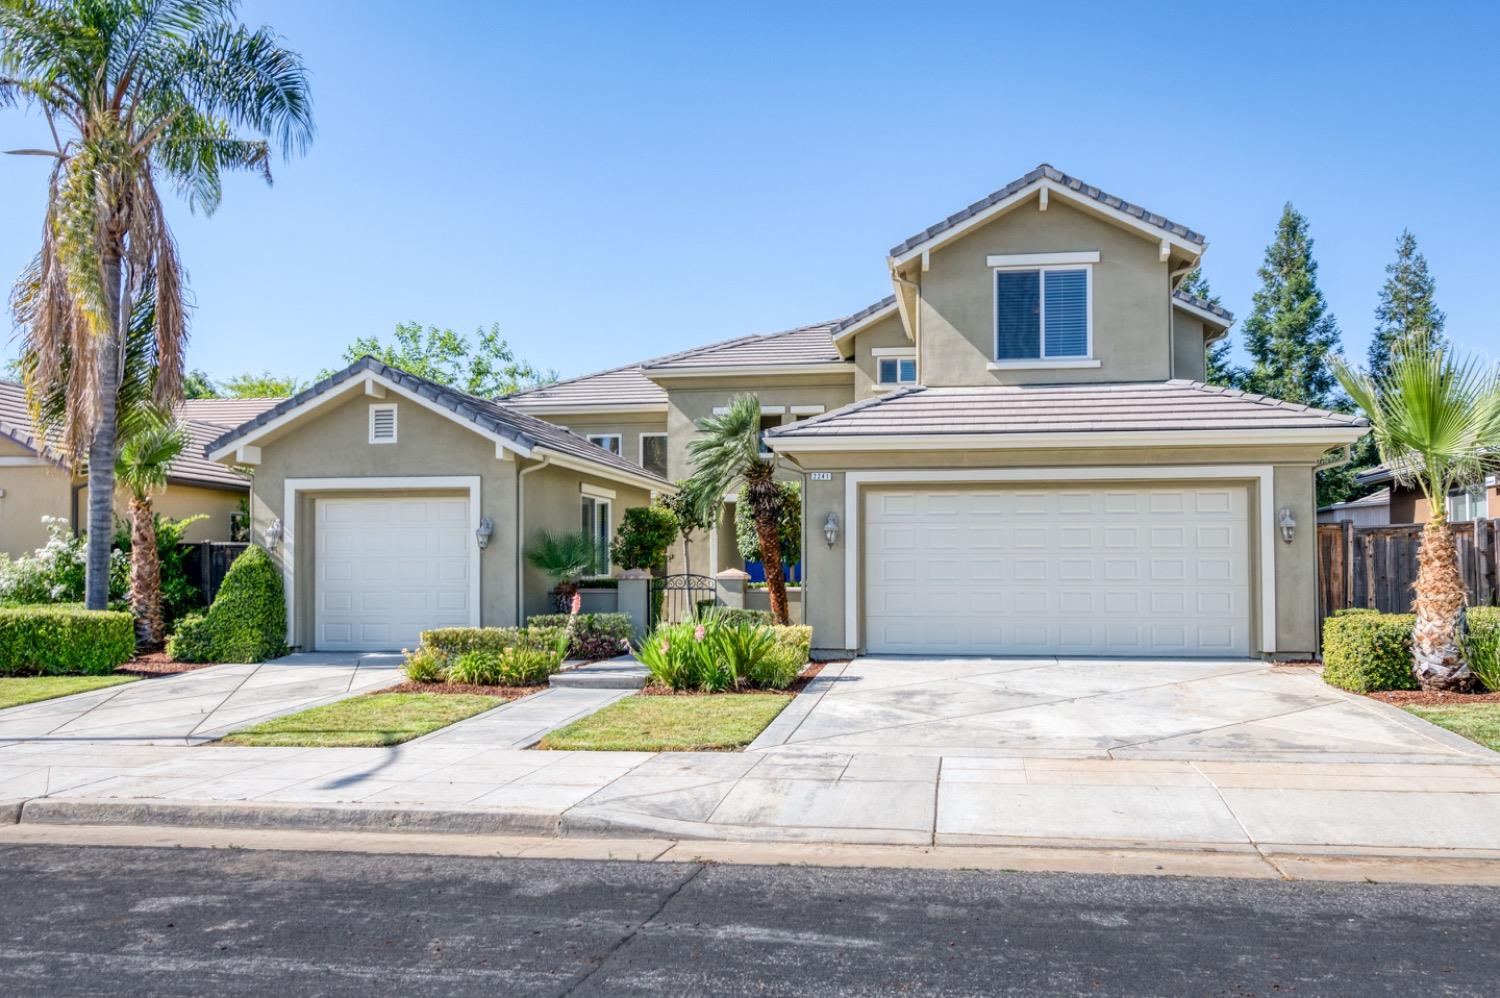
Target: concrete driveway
{"points": [[1233, 710], [200, 706]]}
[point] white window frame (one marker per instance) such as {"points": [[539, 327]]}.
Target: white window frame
{"points": [[608, 510], [619, 440], [882, 354], [1474, 498], [384, 407], [641, 449], [1059, 261]]}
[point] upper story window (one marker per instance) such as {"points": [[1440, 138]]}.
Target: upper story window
{"points": [[1044, 308], [609, 441], [654, 453], [898, 370]]}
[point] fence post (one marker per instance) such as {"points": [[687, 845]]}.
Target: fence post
{"points": [[634, 594], [730, 585]]}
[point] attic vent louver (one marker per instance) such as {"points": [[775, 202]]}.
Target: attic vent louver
{"points": [[383, 424]]}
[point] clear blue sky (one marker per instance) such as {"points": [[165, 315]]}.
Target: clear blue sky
{"points": [[612, 181]]}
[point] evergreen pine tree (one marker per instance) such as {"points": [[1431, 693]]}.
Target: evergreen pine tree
{"points": [[1290, 333], [1220, 369], [1406, 311]]}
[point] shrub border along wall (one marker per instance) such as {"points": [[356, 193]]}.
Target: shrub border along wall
{"points": [[64, 640]]}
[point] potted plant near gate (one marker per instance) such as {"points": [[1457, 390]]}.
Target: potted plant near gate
{"points": [[564, 558]]}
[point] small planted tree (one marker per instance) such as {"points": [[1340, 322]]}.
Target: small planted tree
{"points": [[645, 534], [728, 455], [141, 469], [564, 558], [691, 518], [1436, 421]]}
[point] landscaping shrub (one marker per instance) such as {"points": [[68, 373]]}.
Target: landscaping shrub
{"points": [[592, 635], [779, 668], [644, 535], [1350, 611], [518, 665], [423, 666], [1483, 645], [735, 616], [179, 596], [797, 638], [447, 643], [64, 640], [54, 572], [720, 652], [247, 621], [1366, 652]]}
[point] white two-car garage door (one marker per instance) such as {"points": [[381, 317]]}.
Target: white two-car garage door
{"points": [[1074, 571], [388, 569]]}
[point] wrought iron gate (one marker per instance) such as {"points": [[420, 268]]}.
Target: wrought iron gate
{"points": [[675, 598]]}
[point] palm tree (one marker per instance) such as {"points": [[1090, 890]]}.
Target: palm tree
{"points": [[1436, 421], [142, 469], [133, 92], [727, 454], [565, 558]]}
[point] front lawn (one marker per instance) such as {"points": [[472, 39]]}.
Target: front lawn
{"points": [[30, 689], [672, 723], [1478, 722], [372, 720]]}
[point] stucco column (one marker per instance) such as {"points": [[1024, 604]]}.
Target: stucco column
{"points": [[634, 598], [730, 587]]}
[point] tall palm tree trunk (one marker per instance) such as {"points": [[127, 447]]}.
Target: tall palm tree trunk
{"points": [[1438, 658], [145, 574], [764, 497], [103, 441]]}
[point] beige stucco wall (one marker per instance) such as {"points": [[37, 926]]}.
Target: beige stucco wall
{"points": [[553, 503], [956, 320], [888, 332], [1292, 486], [629, 426], [179, 501], [1188, 357], [31, 492]]}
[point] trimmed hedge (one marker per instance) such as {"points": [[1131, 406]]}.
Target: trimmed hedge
{"points": [[1366, 651], [450, 642], [594, 635], [247, 622], [55, 640]]}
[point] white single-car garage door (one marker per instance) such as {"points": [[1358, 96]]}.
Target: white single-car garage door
{"points": [[1057, 571], [388, 569]]}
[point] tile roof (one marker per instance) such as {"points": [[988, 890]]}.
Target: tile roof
{"points": [[1379, 498], [1058, 177], [1204, 304], [499, 418], [803, 345], [615, 387], [1166, 406], [203, 419], [862, 315]]}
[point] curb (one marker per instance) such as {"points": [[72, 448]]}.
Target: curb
{"points": [[305, 817]]}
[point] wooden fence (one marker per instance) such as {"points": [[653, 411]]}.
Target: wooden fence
{"points": [[1376, 566], [207, 562]]}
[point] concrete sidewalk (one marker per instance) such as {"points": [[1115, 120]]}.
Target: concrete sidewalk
{"points": [[200, 706]]}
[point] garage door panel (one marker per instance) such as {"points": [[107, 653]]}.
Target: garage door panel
{"points": [[387, 569], [1153, 571]]}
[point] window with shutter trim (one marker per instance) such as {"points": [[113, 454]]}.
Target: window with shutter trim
{"points": [[383, 424], [1042, 313]]}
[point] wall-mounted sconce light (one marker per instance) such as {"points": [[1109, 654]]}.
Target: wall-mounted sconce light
{"points": [[1288, 524], [831, 529], [482, 535], [273, 534]]}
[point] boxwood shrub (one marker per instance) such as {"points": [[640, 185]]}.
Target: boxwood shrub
{"points": [[247, 621], [450, 642], [55, 640], [1365, 652], [594, 635]]}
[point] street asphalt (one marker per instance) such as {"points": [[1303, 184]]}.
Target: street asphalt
{"points": [[163, 922]]}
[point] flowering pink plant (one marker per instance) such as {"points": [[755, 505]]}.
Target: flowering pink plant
{"points": [[577, 603], [698, 633], [666, 646]]}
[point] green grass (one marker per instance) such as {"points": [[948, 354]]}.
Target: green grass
{"points": [[1478, 722], [29, 689], [373, 720], [671, 724]]}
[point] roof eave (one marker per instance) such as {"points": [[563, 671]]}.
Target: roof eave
{"points": [[1294, 436], [749, 370]]}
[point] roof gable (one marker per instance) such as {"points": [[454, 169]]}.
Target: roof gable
{"points": [[1049, 180]]}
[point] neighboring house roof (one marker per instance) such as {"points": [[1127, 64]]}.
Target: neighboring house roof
{"points": [[1008, 411], [1071, 185], [1380, 498], [202, 419], [615, 389], [523, 432], [1383, 473], [1204, 305]]}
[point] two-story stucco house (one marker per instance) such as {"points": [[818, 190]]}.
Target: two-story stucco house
{"points": [[1012, 454]]}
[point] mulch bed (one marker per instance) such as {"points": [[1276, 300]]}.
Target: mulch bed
{"points": [[1420, 698], [154, 662], [453, 689], [808, 674]]}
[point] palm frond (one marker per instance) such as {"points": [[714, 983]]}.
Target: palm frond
{"points": [[726, 453], [246, 78], [146, 456], [564, 557]]}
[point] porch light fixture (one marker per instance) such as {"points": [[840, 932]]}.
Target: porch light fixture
{"points": [[831, 529], [273, 534], [482, 535], [1288, 523]]}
